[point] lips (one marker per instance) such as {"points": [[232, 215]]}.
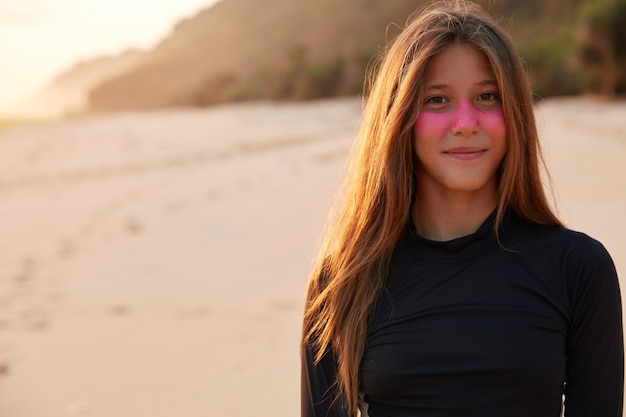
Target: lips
{"points": [[465, 153]]}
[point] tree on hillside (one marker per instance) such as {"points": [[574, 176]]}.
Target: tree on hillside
{"points": [[603, 45], [300, 77]]}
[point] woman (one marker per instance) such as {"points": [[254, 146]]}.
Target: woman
{"points": [[446, 285]]}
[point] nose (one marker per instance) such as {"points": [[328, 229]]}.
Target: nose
{"points": [[465, 121]]}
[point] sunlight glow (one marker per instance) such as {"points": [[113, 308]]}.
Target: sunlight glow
{"points": [[41, 38]]}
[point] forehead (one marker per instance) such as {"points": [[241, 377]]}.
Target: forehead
{"points": [[459, 63]]}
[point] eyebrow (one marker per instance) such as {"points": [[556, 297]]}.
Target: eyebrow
{"points": [[444, 86]]}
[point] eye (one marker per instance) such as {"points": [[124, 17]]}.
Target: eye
{"points": [[436, 100], [488, 97]]}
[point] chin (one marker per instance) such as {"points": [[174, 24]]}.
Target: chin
{"points": [[471, 185]]}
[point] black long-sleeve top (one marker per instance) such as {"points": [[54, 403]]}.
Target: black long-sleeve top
{"points": [[471, 328]]}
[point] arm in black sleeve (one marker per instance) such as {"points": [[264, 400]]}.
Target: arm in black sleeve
{"points": [[319, 389], [595, 347]]}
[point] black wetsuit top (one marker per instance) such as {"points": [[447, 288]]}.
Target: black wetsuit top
{"points": [[471, 328]]}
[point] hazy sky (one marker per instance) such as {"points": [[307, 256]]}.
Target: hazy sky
{"points": [[40, 38]]}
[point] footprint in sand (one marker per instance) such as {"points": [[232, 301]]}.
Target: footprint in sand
{"points": [[133, 226], [6, 352], [120, 310], [243, 184], [4, 368], [65, 248], [213, 195], [34, 319], [26, 270]]}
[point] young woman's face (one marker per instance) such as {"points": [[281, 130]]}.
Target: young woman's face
{"points": [[460, 133]]}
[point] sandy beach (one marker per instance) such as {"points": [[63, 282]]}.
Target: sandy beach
{"points": [[154, 264]]}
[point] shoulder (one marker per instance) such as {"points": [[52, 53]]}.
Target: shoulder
{"points": [[552, 238], [576, 255]]}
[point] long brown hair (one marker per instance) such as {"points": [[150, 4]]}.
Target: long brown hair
{"points": [[379, 187]]}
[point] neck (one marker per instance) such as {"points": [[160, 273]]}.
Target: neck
{"points": [[446, 217]]}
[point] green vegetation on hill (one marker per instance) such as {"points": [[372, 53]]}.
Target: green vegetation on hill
{"points": [[284, 49], [603, 46]]}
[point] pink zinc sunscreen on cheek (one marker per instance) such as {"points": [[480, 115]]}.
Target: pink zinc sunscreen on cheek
{"points": [[465, 114], [493, 121], [429, 123]]}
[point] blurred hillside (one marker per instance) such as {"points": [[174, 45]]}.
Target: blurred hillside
{"points": [[281, 49], [68, 92]]}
